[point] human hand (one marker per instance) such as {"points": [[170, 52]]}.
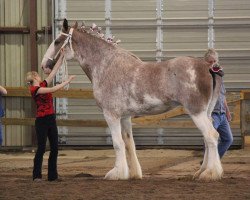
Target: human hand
{"points": [[229, 117], [3, 90], [71, 78]]}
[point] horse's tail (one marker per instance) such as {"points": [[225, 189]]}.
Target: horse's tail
{"points": [[216, 82]]}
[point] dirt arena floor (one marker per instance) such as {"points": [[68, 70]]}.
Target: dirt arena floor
{"points": [[167, 175]]}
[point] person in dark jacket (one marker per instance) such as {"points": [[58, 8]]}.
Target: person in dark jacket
{"points": [[3, 91]]}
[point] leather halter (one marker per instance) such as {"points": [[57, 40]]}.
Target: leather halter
{"points": [[66, 41]]}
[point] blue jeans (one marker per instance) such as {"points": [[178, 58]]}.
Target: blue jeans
{"points": [[1, 134], [221, 124]]}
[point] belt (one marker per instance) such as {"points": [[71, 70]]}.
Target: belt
{"points": [[218, 112]]}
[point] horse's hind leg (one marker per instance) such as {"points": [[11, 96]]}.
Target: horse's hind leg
{"points": [[211, 168], [127, 135], [120, 170]]}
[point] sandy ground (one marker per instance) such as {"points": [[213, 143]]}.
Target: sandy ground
{"points": [[167, 175]]}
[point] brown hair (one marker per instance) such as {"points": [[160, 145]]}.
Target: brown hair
{"points": [[30, 77]]}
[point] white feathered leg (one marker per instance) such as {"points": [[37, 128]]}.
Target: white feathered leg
{"points": [[120, 170], [204, 163], [135, 171], [211, 169]]}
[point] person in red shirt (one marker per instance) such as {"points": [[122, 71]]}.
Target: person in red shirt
{"points": [[45, 123]]}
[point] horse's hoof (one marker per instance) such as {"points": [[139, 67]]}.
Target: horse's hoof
{"points": [[115, 174], [136, 176], [135, 173], [197, 174], [211, 175]]}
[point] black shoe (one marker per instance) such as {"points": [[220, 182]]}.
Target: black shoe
{"points": [[56, 180]]}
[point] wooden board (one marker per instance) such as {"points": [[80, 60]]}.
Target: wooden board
{"points": [[71, 93]]}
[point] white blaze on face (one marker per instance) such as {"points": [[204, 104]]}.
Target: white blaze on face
{"points": [[192, 78], [50, 53]]}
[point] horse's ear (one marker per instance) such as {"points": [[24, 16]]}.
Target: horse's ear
{"points": [[65, 25], [75, 25]]}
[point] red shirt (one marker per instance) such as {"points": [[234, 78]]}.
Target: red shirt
{"points": [[44, 102]]}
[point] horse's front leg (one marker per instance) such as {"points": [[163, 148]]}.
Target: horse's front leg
{"points": [[120, 170], [204, 162]]}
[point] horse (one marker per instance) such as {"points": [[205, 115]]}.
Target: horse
{"points": [[124, 86]]}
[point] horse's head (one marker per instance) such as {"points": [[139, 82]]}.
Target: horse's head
{"points": [[63, 41]]}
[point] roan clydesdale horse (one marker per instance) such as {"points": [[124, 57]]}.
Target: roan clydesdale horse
{"points": [[124, 87]]}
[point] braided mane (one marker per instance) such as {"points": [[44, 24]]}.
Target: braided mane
{"points": [[95, 31]]}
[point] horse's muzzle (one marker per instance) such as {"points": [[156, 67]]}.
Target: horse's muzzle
{"points": [[51, 63]]}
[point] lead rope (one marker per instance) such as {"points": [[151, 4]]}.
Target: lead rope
{"points": [[64, 67], [65, 73]]}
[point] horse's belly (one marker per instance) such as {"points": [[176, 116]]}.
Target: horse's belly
{"points": [[151, 108]]}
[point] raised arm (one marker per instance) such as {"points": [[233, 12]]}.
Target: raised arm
{"points": [[3, 90], [44, 90], [52, 74]]}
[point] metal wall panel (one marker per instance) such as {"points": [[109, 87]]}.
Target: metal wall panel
{"points": [[185, 9], [15, 62], [185, 39], [91, 9], [232, 9], [14, 51], [44, 21], [127, 9]]}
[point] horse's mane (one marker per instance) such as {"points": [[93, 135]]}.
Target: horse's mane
{"points": [[94, 32]]}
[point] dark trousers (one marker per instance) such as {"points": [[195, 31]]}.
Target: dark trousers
{"points": [[46, 127]]}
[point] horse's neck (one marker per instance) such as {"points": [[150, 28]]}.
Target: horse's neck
{"points": [[93, 53]]}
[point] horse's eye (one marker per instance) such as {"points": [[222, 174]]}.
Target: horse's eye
{"points": [[57, 42]]}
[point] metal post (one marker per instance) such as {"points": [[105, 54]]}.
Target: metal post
{"points": [[160, 139], [107, 35], [108, 18], [159, 32], [33, 52], [211, 36], [61, 103], [33, 28]]}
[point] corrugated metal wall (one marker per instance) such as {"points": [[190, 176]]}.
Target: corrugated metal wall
{"points": [[15, 62], [185, 32]]}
